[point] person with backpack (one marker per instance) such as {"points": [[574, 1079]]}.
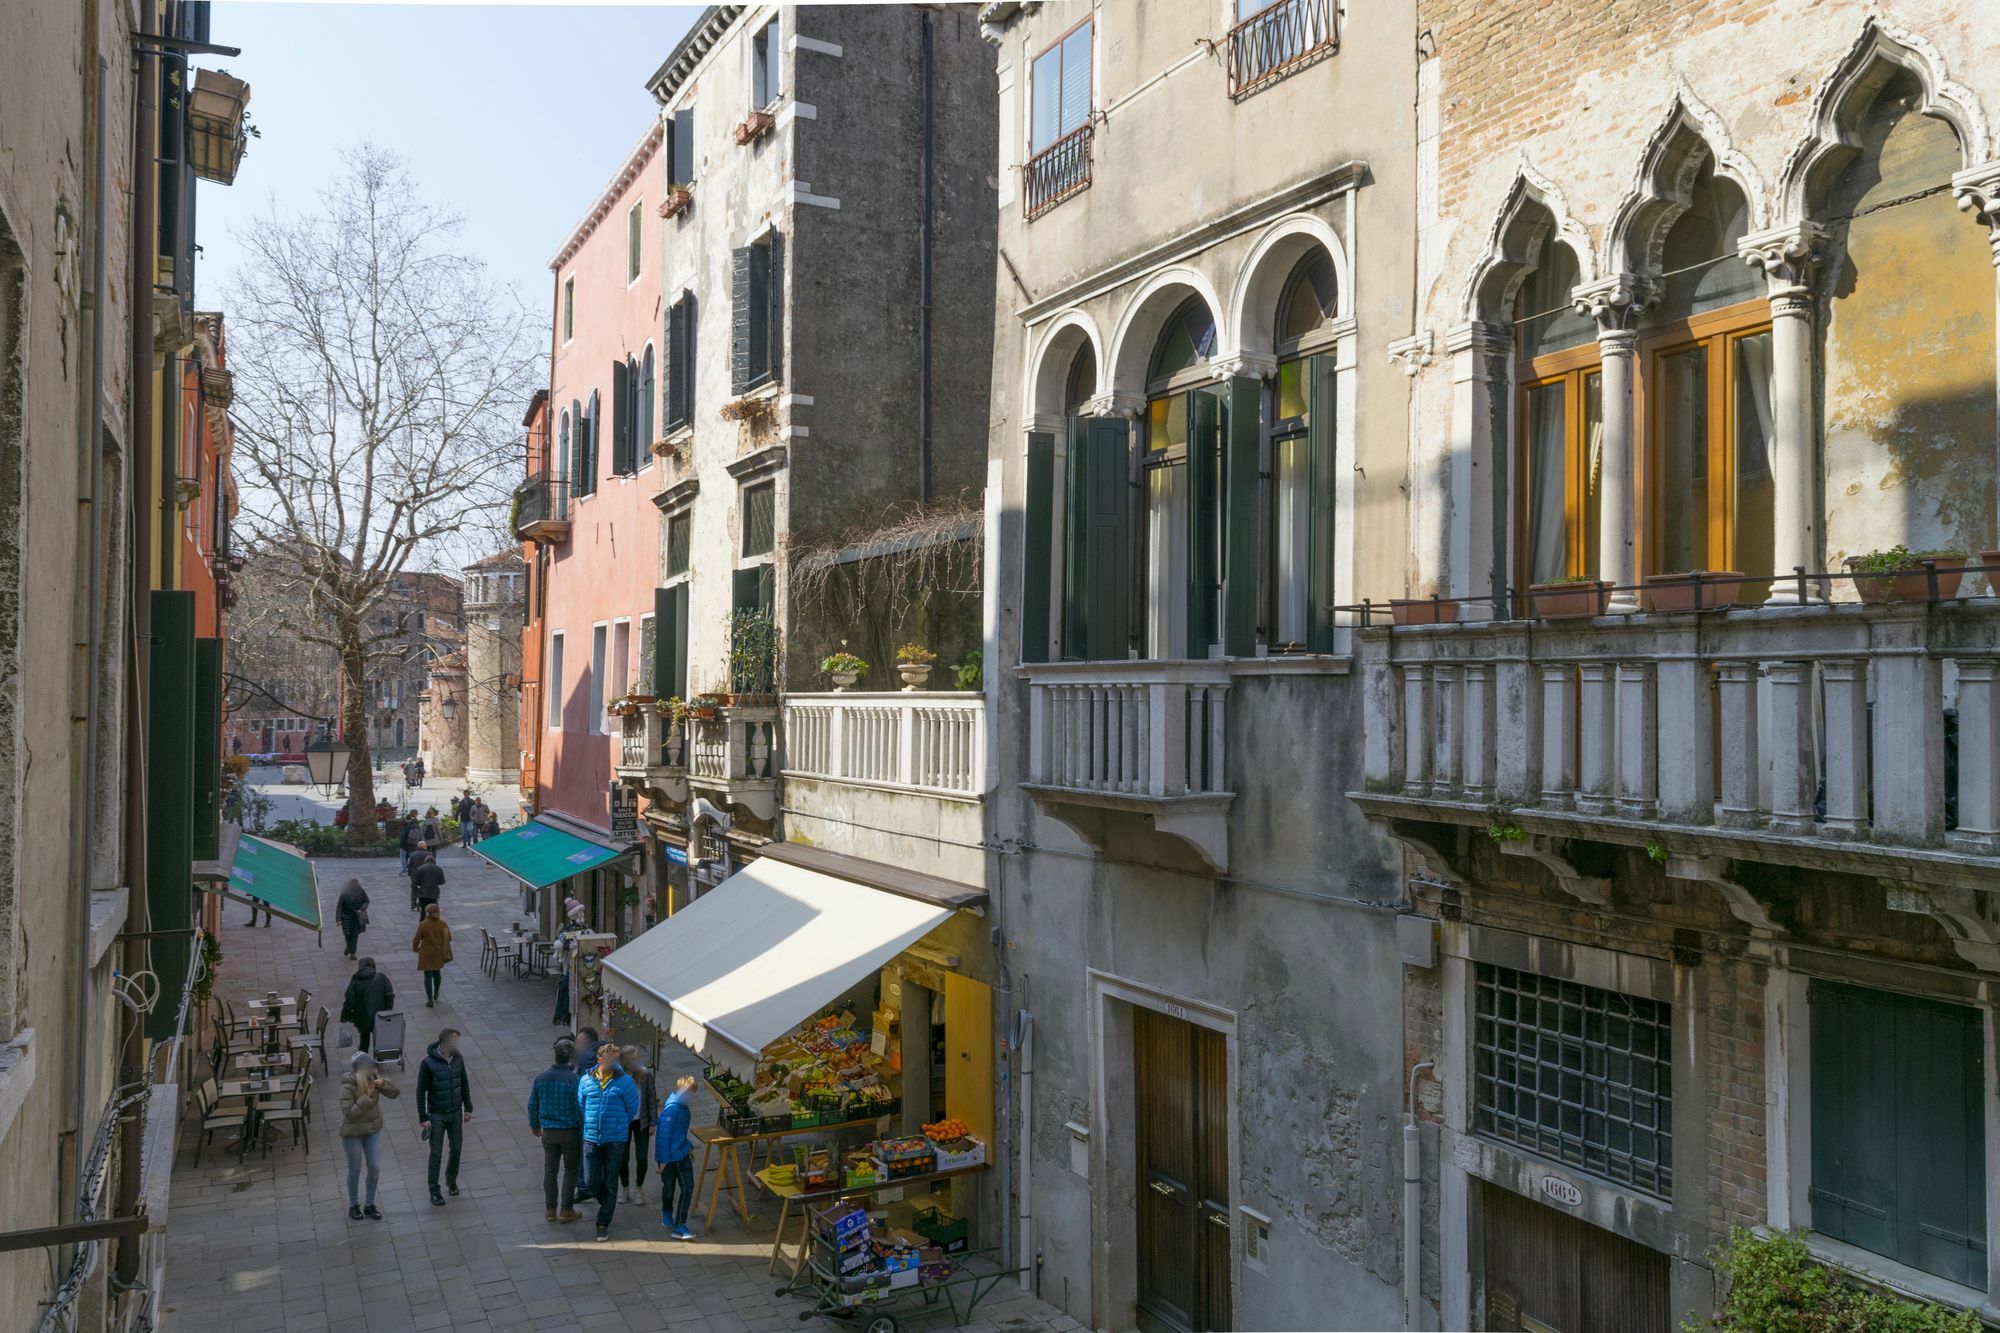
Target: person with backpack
{"points": [[444, 1104], [406, 841], [609, 1102]]}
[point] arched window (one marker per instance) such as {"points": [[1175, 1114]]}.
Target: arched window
{"points": [[1182, 462], [1703, 403], [1187, 340], [1298, 534], [1560, 430], [1080, 386], [1909, 340], [648, 396]]}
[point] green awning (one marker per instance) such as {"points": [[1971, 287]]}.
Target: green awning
{"points": [[274, 876], [541, 854]]}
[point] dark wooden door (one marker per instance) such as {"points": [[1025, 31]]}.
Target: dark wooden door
{"points": [[1182, 1112], [1547, 1270]]}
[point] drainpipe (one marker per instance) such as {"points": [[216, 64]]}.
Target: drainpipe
{"points": [[1413, 1202], [1024, 1041], [924, 256]]}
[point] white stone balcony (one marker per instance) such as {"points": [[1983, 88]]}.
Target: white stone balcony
{"points": [[1142, 737], [1862, 739], [652, 754], [732, 757]]}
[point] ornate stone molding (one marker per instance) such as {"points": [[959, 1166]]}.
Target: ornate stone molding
{"points": [[1249, 365], [1553, 855], [1614, 304], [1789, 258], [1477, 336], [1976, 191], [1117, 403], [1415, 354]]}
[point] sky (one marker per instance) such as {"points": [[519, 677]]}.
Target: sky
{"points": [[514, 116]]}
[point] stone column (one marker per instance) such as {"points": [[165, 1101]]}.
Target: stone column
{"points": [[1477, 469], [1615, 304], [1789, 259], [1977, 191]]}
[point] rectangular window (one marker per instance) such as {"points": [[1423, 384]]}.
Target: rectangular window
{"points": [[757, 328], [1562, 439], [555, 684], [1575, 1074], [680, 543], [680, 361], [633, 233], [766, 58], [760, 519], [621, 659], [648, 675], [569, 308], [1059, 89], [680, 149], [598, 649], [1899, 1128]]}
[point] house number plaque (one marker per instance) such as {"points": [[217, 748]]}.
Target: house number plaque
{"points": [[1564, 1193]]}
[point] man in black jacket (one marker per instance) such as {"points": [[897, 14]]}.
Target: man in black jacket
{"points": [[427, 880], [368, 994], [444, 1104]]}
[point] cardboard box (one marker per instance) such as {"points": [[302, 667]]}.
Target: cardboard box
{"points": [[973, 1154]]}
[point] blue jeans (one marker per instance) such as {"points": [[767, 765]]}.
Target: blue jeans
{"points": [[600, 1177], [404, 852], [677, 1190], [368, 1147]]}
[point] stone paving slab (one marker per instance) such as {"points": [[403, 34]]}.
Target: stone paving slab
{"points": [[267, 1245]]}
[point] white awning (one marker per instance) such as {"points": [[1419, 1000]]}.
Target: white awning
{"points": [[759, 954]]}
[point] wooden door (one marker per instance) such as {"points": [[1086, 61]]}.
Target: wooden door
{"points": [[968, 1070], [1549, 1272], [1182, 1113]]}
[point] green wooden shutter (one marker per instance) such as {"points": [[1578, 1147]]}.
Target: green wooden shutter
{"points": [[1037, 541], [205, 828], [1321, 408], [1204, 461], [675, 362], [648, 396], [678, 660], [739, 321], [1239, 520], [1097, 610], [774, 295], [169, 804], [680, 149], [621, 418], [669, 642]]}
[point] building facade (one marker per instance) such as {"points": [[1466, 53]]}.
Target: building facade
{"points": [[418, 620], [495, 598], [444, 717], [1197, 451], [1699, 806]]}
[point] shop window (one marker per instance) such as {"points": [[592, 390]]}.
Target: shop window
{"points": [[1560, 431], [1575, 1074], [1899, 1128]]}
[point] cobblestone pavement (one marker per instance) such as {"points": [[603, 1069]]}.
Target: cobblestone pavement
{"points": [[267, 1245]]}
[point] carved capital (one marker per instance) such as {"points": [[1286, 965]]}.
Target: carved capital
{"points": [[1117, 403], [1614, 304], [1478, 337], [1976, 190], [1788, 257], [1415, 353], [1248, 365]]}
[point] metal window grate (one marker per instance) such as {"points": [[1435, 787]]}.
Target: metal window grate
{"points": [[1576, 1074]]}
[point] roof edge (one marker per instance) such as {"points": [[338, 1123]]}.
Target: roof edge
{"points": [[690, 50], [648, 144]]}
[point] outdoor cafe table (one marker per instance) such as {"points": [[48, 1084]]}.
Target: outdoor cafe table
{"points": [[521, 953], [787, 1194], [251, 1091], [282, 1003]]}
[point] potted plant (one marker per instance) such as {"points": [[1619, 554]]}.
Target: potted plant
{"points": [[1424, 610], [913, 664], [1695, 590], [705, 705], [1578, 596], [753, 656], [677, 200], [1902, 575], [843, 668], [969, 672], [754, 127]]}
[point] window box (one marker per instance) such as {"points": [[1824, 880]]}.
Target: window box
{"points": [[216, 133], [1911, 581], [677, 201], [1696, 590], [754, 127], [1424, 611], [752, 409], [1570, 601]]}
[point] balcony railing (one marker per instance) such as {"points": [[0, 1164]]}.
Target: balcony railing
{"points": [[930, 741], [542, 509], [648, 739], [1277, 41], [1057, 172], [1756, 733], [735, 753]]}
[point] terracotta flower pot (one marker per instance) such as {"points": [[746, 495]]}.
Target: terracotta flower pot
{"points": [[1570, 601], [1913, 585], [1668, 594], [1424, 610], [1991, 559]]}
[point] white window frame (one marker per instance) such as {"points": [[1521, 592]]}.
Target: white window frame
{"points": [[620, 663], [554, 677], [569, 309], [600, 646], [635, 243]]}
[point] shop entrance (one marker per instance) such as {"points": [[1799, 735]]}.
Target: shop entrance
{"points": [[1548, 1272], [1182, 1137]]}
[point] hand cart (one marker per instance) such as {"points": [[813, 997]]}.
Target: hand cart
{"points": [[389, 1038], [859, 1302]]}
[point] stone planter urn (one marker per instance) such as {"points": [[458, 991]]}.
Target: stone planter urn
{"points": [[843, 680], [915, 675]]}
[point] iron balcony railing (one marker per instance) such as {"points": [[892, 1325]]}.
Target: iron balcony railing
{"points": [[1057, 172], [1274, 42], [540, 499]]}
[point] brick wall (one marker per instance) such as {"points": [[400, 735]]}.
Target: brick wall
{"points": [[1731, 1053]]}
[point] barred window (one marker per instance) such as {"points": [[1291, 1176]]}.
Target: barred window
{"points": [[680, 543], [1576, 1074], [759, 519]]}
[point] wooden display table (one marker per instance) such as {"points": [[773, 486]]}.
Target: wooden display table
{"points": [[787, 1195], [728, 1150]]}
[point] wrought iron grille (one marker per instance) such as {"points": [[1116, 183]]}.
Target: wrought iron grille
{"points": [[1576, 1074], [539, 499], [1274, 42], [1057, 172]]}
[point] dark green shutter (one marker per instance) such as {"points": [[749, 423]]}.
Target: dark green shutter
{"points": [[205, 830], [677, 367], [1204, 461], [621, 418], [169, 804], [670, 641], [1898, 1128], [680, 149], [1097, 622], [1239, 557], [1320, 415], [774, 295], [739, 319], [649, 397], [1037, 543]]}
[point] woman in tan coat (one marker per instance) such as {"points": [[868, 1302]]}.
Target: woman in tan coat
{"points": [[433, 947], [361, 1091]]}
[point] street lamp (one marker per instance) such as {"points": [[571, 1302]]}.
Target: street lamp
{"points": [[326, 760], [449, 707]]}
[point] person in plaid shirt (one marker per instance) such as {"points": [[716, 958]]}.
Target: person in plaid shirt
{"points": [[557, 1121]]}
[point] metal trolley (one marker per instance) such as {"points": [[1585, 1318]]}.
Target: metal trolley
{"points": [[859, 1298]]}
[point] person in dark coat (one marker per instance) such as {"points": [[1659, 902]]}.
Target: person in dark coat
{"points": [[428, 881], [368, 994], [406, 841], [351, 911], [418, 859], [444, 1104]]}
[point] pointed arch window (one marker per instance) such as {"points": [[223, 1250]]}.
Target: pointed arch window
{"points": [[1298, 467], [1559, 433]]}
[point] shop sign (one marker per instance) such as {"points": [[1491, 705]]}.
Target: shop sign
{"points": [[624, 813], [677, 855], [1562, 1191]]}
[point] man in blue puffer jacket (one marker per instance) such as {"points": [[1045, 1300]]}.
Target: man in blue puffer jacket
{"points": [[609, 1100]]}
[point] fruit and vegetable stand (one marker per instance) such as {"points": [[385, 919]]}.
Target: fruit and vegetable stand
{"points": [[727, 1151], [858, 1266], [795, 1200]]}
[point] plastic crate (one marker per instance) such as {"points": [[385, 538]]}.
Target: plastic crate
{"points": [[941, 1229], [804, 1120], [908, 1167]]}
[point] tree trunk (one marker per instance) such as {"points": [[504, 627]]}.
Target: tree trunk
{"points": [[361, 826]]}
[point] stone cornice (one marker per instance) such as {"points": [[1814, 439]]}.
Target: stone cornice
{"points": [[634, 164]]}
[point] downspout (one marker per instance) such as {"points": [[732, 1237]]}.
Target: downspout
{"points": [[1413, 1202], [924, 260], [1024, 1039]]}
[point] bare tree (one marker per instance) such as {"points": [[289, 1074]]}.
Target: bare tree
{"points": [[379, 375]]}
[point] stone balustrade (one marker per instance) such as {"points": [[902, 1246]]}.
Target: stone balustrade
{"points": [[929, 741]]}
